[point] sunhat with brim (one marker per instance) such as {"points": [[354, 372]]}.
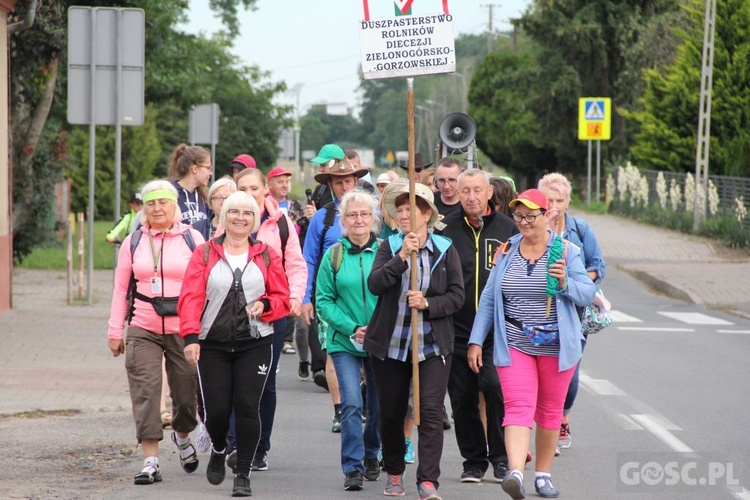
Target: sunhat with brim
{"points": [[339, 168], [421, 191], [419, 163], [383, 179], [532, 198], [329, 152]]}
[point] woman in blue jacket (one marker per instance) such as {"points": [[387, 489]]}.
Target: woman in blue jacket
{"points": [[537, 342]]}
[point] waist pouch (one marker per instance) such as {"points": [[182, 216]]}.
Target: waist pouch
{"points": [[538, 335], [164, 306]]}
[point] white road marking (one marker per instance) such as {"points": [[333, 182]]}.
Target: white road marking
{"points": [[621, 317], [628, 423], [741, 332], [742, 495], [601, 387], [650, 423], [654, 329], [694, 318]]}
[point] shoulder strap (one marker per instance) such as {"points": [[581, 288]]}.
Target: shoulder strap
{"points": [[337, 255], [284, 235], [266, 257], [134, 240], [206, 252], [500, 253], [189, 240], [330, 216]]}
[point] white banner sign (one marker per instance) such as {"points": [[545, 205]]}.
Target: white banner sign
{"points": [[407, 46]]}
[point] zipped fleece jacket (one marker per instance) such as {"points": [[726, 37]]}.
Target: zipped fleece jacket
{"points": [[343, 300], [175, 255], [579, 291], [213, 299], [445, 294], [476, 248], [295, 266]]}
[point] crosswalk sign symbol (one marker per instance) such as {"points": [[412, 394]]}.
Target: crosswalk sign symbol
{"points": [[595, 110], [595, 118]]}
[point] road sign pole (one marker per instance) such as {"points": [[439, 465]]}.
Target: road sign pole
{"points": [[598, 168], [588, 177], [213, 142], [118, 124], [92, 155]]}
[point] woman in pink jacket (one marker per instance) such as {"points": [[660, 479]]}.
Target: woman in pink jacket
{"points": [[155, 258]]}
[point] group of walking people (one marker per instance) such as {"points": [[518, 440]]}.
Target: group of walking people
{"points": [[212, 296]]}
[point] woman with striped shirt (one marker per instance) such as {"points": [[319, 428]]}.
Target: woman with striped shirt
{"points": [[537, 346]]}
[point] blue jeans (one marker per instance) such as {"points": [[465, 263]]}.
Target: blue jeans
{"points": [[356, 445], [570, 397]]}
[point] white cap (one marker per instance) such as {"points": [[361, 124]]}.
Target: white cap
{"points": [[383, 179]]}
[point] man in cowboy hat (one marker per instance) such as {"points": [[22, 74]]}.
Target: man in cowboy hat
{"points": [[419, 165], [322, 232]]}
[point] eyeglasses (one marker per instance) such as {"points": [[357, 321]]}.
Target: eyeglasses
{"points": [[443, 182], [245, 213], [352, 216], [528, 218], [219, 198], [210, 167]]}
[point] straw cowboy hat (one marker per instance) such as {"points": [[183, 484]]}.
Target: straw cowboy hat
{"points": [[339, 168], [421, 191]]}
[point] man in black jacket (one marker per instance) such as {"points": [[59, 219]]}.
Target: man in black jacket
{"points": [[476, 230]]}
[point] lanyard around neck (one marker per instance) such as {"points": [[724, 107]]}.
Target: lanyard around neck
{"points": [[156, 254]]}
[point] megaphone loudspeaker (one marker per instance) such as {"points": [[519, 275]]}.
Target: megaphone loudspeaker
{"points": [[457, 131]]}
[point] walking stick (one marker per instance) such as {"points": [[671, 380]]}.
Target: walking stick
{"points": [[413, 257]]}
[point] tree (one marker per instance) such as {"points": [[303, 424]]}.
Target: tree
{"points": [[181, 70], [669, 118]]}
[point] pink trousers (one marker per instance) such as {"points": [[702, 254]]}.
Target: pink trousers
{"points": [[533, 390]]}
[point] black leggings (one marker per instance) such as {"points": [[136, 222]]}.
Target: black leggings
{"points": [[234, 381]]}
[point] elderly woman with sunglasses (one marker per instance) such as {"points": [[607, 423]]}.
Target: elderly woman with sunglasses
{"points": [[537, 343], [346, 305], [234, 289], [150, 272]]}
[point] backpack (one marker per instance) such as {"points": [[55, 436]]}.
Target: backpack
{"points": [[328, 220], [132, 293]]}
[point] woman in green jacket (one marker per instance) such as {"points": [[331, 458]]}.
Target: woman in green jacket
{"points": [[345, 303]]}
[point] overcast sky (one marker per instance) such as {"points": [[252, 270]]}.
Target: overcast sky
{"points": [[316, 42]]}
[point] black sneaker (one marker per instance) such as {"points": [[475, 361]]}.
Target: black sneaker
{"points": [[241, 486], [260, 461], [217, 469], [232, 461], [303, 373], [472, 476], [372, 469], [500, 471], [319, 377], [353, 481], [446, 420]]}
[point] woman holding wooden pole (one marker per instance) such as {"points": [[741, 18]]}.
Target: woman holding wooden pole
{"points": [[413, 319]]}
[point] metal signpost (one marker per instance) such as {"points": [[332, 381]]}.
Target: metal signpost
{"points": [[204, 129], [594, 124], [106, 79]]}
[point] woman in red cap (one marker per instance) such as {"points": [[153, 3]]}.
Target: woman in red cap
{"points": [[537, 345]]}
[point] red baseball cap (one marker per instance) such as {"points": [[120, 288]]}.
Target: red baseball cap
{"points": [[277, 172], [532, 198], [242, 162]]}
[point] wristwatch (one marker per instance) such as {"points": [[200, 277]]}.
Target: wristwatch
{"points": [[426, 304]]}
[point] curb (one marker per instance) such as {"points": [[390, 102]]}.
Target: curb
{"points": [[663, 286]]}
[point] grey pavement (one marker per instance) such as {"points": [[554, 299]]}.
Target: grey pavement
{"points": [[54, 358]]}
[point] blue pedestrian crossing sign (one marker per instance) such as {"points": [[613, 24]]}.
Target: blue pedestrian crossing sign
{"points": [[594, 118]]}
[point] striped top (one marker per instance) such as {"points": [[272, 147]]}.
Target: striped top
{"points": [[525, 299]]}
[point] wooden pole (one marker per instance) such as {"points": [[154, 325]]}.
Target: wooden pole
{"points": [[413, 257]]}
